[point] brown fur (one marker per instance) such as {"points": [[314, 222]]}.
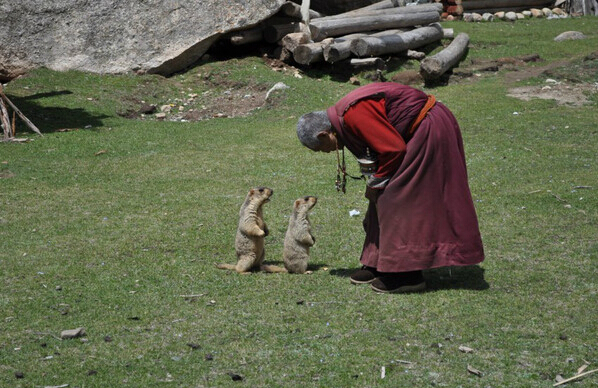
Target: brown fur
{"points": [[298, 238], [251, 233]]}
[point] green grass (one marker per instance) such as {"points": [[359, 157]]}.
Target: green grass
{"points": [[112, 241]]}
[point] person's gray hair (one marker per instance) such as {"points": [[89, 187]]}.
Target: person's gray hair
{"points": [[309, 125]]}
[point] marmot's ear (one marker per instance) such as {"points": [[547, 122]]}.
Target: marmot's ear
{"points": [[251, 191], [297, 203]]}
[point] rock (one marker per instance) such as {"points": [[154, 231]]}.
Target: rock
{"points": [[488, 17], [559, 12], [72, 333], [537, 13], [500, 15], [511, 16], [476, 17], [112, 36], [547, 12], [569, 35]]}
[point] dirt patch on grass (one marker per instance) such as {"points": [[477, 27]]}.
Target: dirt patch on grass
{"points": [[210, 93], [566, 82]]}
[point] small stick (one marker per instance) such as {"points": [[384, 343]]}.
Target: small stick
{"points": [[14, 127], [575, 377], [4, 120], [21, 115]]}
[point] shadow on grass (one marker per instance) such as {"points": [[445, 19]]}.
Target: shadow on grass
{"points": [[50, 119], [448, 278]]}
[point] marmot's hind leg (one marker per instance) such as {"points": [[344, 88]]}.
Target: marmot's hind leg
{"points": [[245, 263]]}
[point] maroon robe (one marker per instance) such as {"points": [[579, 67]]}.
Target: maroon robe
{"points": [[424, 217]]}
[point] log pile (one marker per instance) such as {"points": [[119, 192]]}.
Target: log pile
{"points": [[355, 38]]}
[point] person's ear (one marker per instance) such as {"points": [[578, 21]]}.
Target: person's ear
{"points": [[322, 134]]}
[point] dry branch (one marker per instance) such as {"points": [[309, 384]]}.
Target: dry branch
{"points": [[575, 377], [436, 65], [390, 44], [21, 115]]}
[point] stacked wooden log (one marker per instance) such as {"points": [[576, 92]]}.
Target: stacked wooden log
{"points": [[358, 37]]}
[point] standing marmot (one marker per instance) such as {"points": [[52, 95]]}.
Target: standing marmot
{"points": [[298, 238], [249, 242]]}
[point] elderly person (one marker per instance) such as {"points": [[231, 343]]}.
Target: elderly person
{"points": [[421, 213]]}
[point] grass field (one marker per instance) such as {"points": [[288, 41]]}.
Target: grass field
{"points": [[115, 225]]}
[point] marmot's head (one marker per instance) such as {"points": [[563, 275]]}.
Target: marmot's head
{"points": [[305, 204], [261, 194]]}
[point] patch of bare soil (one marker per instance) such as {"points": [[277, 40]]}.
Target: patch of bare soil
{"points": [[567, 82], [221, 98]]}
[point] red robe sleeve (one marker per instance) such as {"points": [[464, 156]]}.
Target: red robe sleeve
{"points": [[367, 120]]}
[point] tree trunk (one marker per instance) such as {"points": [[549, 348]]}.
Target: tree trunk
{"points": [[390, 44], [435, 66], [344, 26]]}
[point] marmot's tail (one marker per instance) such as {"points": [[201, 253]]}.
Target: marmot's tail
{"points": [[273, 269]]}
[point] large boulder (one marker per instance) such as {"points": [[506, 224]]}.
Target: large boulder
{"points": [[114, 36]]}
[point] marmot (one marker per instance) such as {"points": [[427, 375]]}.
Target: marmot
{"points": [[249, 241], [298, 238]]}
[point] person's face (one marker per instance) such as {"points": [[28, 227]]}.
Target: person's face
{"points": [[328, 142]]}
